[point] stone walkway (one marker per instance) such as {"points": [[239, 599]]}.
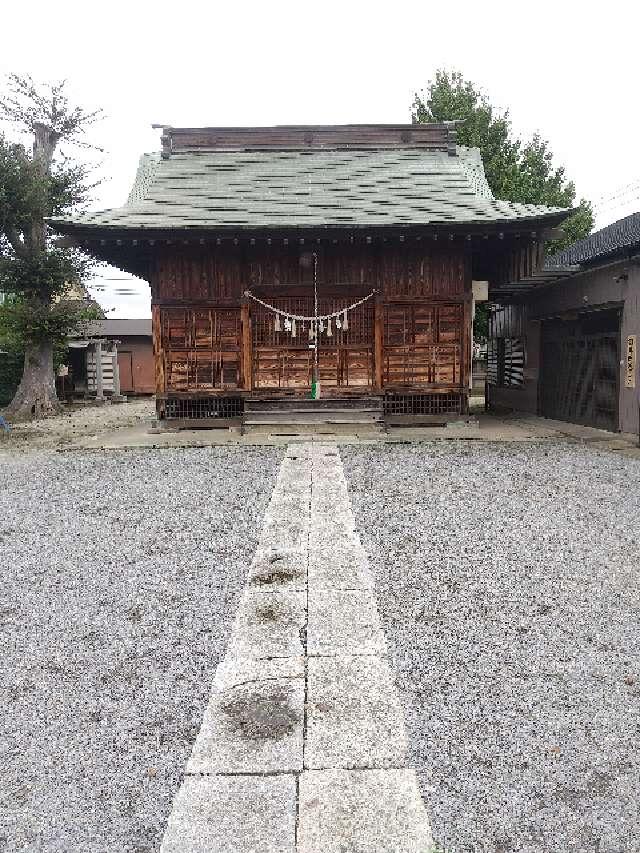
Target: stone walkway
{"points": [[303, 746]]}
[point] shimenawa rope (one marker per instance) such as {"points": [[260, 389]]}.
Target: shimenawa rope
{"points": [[301, 318]]}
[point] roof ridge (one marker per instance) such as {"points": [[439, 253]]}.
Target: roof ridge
{"points": [[435, 135]]}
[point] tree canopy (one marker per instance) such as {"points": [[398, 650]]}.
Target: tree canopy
{"points": [[36, 270], [517, 170]]}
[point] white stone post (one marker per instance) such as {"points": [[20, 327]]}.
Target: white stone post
{"points": [[99, 384], [116, 370]]}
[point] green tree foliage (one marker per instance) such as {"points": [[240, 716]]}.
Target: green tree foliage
{"points": [[36, 270], [11, 360], [516, 170], [481, 322]]}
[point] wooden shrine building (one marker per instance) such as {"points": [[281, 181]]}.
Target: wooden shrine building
{"points": [[344, 254]]}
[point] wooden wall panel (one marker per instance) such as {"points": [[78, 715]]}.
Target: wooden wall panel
{"points": [[210, 340], [192, 277], [201, 349], [220, 275], [421, 273], [423, 345], [280, 368]]}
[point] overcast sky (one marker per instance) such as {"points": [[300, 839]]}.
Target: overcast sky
{"points": [[566, 69]]}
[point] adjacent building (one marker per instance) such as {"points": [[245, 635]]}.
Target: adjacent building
{"points": [[563, 342]]}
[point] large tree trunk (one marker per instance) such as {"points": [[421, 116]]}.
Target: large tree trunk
{"points": [[36, 395]]}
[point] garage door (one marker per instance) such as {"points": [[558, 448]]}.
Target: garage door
{"points": [[581, 369]]}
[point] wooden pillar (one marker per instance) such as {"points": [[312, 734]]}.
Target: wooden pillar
{"points": [[245, 347], [467, 351], [158, 358], [378, 342]]}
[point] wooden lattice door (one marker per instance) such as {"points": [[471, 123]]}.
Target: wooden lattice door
{"points": [[283, 362], [423, 345], [201, 349]]}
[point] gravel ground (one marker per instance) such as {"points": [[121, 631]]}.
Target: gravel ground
{"points": [[122, 572], [507, 580], [77, 420]]}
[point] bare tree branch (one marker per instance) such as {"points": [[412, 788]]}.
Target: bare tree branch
{"points": [[30, 105]]}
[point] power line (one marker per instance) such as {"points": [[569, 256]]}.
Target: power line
{"points": [[623, 198], [619, 191], [624, 204]]}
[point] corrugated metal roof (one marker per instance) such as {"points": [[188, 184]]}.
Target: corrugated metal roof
{"points": [[248, 189], [619, 237]]}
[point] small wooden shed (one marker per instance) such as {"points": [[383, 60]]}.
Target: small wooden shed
{"points": [[281, 259], [135, 353], [125, 347]]}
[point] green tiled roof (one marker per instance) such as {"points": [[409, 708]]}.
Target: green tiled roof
{"points": [[318, 187]]}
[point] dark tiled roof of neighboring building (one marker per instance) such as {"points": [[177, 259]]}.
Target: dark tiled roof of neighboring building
{"points": [[618, 238]]}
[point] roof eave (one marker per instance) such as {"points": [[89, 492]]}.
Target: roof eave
{"points": [[91, 231], [541, 278]]}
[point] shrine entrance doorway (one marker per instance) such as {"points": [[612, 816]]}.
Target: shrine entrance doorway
{"points": [[283, 362]]}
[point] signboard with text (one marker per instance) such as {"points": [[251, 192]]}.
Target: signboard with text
{"points": [[630, 362]]}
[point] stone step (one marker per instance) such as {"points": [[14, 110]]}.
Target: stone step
{"points": [[324, 403], [372, 428], [283, 418], [315, 416]]}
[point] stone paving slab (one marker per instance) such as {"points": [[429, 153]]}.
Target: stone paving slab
{"points": [[277, 568], [279, 529], [330, 529], [233, 814], [344, 568], [252, 727], [269, 624], [290, 505], [234, 671], [362, 811], [354, 717], [344, 622], [294, 476], [329, 489]]}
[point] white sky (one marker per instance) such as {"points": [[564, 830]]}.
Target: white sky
{"points": [[567, 69]]}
